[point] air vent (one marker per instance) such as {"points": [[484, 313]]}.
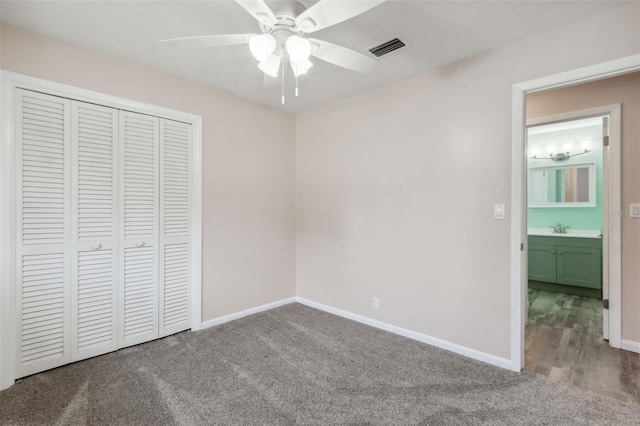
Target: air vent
{"points": [[387, 47]]}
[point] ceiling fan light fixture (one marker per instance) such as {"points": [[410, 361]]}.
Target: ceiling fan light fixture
{"points": [[301, 68], [262, 46], [270, 66], [299, 49]]}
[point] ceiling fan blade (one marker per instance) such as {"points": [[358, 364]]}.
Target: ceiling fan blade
{"points": [[342, 56], [210, 40], [326, 13], [259, 10]]}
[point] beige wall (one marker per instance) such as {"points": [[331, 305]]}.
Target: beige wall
{"points": [[624, 90], [395, 187], [248, 166]]}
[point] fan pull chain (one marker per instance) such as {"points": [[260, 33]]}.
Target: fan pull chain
{"points": [[296, 73], [283, 71]]}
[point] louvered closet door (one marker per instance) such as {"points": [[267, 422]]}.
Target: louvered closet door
{"points": [[175, 208], [94, 295], [43, 231], [139, 205]]}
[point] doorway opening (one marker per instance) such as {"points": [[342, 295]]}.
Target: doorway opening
{"points": [[567, 170], [564, 270]]}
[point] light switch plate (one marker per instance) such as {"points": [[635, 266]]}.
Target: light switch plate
{"points": [[634, 210], [498, 211]]}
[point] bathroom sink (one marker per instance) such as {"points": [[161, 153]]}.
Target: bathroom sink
{"points": [[575, 233]]}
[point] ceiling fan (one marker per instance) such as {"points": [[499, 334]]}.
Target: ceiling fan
{"points": [[283, 36]]}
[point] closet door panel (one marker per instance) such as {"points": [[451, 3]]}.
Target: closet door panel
{"points": [[43, 230], [139, 204], [175, 210], [94, 318]]}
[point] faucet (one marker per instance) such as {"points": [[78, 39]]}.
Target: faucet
{"points": [[559, 229]]}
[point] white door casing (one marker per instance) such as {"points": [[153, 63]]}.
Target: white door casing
{"points": [[518, 277], [606, 187]]}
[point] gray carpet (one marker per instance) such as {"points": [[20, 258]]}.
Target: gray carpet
{"points": [[297, 365]]}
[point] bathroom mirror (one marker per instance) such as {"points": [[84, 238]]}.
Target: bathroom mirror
{"points": [[562, 186]]}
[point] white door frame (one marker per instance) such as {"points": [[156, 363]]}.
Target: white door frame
{"points": [[9, 85], [518, 276], [611, 220]]}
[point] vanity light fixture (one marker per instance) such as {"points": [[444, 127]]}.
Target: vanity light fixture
{"points": [[556, 154]]}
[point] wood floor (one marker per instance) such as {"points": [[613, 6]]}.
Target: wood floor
{"points": [[563, 341]]}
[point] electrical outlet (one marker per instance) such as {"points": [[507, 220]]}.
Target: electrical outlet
{"points": [[376, 303], [634, 210]]}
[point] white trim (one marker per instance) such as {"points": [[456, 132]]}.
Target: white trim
{"points": [[420, 337], [613, 232], [581, 75], [518, 231], [89, 96], [7, 234], [196, 228], [630, 345], [232, 317], [518, 181], [10, 83]]}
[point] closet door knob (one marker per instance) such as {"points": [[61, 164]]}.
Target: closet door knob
{"points": [[96, 246], [553, 252], [140, 243]]}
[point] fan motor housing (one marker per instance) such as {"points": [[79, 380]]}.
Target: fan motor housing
{"points": [[285, 27]]}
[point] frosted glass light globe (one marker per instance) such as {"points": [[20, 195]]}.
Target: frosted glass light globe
{"points": [[262, 46], [301, 68], [298, 48], [270, 66]]}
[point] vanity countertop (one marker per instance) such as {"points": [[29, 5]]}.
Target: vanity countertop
{"points": [[571, 233]]}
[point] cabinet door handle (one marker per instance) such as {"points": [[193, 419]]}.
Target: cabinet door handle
{"points": [[140, 243], [96, 246], [553, 252], [560, 253]]}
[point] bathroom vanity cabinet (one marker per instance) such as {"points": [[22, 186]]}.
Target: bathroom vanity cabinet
{"points": [[566, 264]]}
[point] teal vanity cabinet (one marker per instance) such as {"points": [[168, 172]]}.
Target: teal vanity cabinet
{"points": [[566, 264], [542, 262]]}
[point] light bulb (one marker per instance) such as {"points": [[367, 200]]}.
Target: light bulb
{"points": [[262, 46], [534, 152], [299, 49], [586, 145], [301, 68], [567, 147], [551, 149], [270, 66]]}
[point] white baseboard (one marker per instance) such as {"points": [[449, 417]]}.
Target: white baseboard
{"points": [[630, 345], [247, 312], [433, 341]]}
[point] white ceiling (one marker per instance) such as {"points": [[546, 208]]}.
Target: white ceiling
{"points": [[438, 32]]}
